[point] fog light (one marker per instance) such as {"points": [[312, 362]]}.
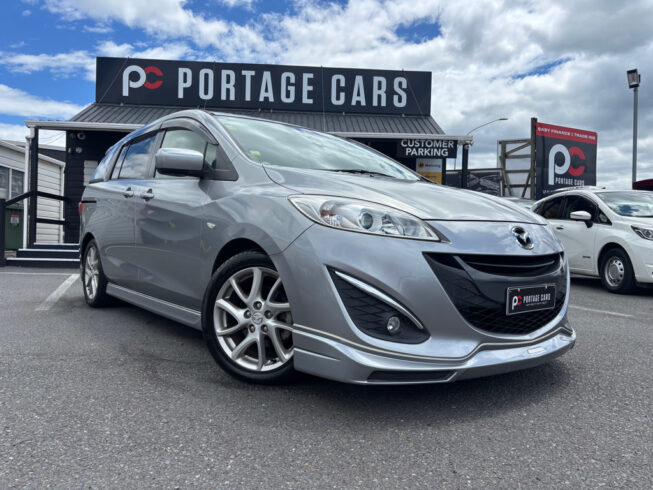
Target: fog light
{"points": [[393, 325]]}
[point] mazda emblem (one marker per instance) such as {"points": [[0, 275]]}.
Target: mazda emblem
{"points": [[522, 237]]}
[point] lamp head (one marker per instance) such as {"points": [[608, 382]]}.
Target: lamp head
{"points": [[633, 78]]}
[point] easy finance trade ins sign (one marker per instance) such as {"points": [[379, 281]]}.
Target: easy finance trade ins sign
{"points": [[564, 157]]}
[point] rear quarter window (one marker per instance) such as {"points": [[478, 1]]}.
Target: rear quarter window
{"points": [[103, 168]]}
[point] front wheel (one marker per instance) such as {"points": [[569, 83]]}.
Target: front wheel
{"points": [[617, 273], [247, 321]]}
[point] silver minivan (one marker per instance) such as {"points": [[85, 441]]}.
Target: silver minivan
{"points": [[295, 250]]}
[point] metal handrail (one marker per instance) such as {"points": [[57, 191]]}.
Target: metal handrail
{"points": [[26, 195]]}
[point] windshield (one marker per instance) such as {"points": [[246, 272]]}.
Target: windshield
{"points": [[288, 146], [629, 203]]}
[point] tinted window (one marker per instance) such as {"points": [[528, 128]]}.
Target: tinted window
{"points": [[103, 167], [578, 203], [116, 167], [551, 209], [276, 144], [184, 139], [137, 158]]}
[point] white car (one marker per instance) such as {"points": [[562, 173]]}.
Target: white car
{"points": [[606, 234]]}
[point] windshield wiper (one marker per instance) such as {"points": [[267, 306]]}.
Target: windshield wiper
{"points": [[357, 171]]}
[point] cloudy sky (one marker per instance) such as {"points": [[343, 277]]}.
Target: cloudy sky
{"points": [[563, 62]]}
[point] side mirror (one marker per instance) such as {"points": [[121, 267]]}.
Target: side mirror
{"points": [[582, 216], [177, 161]]}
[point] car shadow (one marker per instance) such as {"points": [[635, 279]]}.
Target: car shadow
{"points": [[187, 367], [595, 284]]}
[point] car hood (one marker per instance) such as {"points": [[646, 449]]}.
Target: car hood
{"points": [[637, 221], [425, 200]]}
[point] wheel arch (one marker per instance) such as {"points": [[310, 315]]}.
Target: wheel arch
{"points": [[82, 245], [605, 249], [234, 247]]}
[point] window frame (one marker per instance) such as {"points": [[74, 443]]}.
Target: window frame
{"points": [[10, 176], [125, 147]]}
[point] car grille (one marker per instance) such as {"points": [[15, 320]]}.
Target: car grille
{"points": [[512, 265], [477, 286]]}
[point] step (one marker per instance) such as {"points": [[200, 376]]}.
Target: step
{"points": [[47, 253], [56, 246], [43, 262]]}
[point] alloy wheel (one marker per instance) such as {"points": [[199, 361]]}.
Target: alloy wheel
{"points": [[91, 273], [252, 320]]}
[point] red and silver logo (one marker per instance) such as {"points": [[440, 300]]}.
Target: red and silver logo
{"points": [[141, 80], [566, 164]]}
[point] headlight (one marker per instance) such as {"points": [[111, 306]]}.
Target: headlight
{"points": [[363, 217], [646, 233]]}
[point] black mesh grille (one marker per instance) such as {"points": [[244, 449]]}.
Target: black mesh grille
{"points": [[480, 296], [371, 315]]}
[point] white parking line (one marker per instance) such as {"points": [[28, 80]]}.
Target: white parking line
{"points": [[57, 293], [601, 312], [34, 273]]}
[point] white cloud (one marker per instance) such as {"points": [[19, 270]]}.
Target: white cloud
{"points": [[17, 133], [486, 57], [13, 132], [99, 29], [27, 13], [168, 18], [164, 52], [15, 102], [61, 65], [246, 4]]}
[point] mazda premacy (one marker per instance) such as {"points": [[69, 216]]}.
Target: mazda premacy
{"points": [[296, 250]]}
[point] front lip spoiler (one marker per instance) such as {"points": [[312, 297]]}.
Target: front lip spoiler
{"points": [[328, 358], [564, 329]]}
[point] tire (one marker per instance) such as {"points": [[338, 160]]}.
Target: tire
{"points": [[94, 282], [616, 271], [247, 322]]}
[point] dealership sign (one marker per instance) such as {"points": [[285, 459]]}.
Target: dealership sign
{"points": [[427, 148], [270, 87], [565, 157]]}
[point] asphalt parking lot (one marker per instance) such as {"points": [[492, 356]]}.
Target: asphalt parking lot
{"points": [[120, 397]]}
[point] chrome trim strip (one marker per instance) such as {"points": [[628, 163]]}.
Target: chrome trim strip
{"points": [[366, 288], [481, 346]]}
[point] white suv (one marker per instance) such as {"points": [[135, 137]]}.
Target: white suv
{"points": [[608, 234]]}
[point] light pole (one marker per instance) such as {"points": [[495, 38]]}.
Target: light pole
{"points": [[465, 163], [633, 82], [489, 122]]}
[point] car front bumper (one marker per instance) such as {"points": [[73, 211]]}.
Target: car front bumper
{"points": [[329, 344], [641, 253], [340, 360]]}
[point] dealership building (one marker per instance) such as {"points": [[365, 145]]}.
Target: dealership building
{"points": [[387, 110]]}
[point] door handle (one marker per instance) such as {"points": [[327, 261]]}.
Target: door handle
{"points": [[128, 192], [147, 195], [560, 227]]}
